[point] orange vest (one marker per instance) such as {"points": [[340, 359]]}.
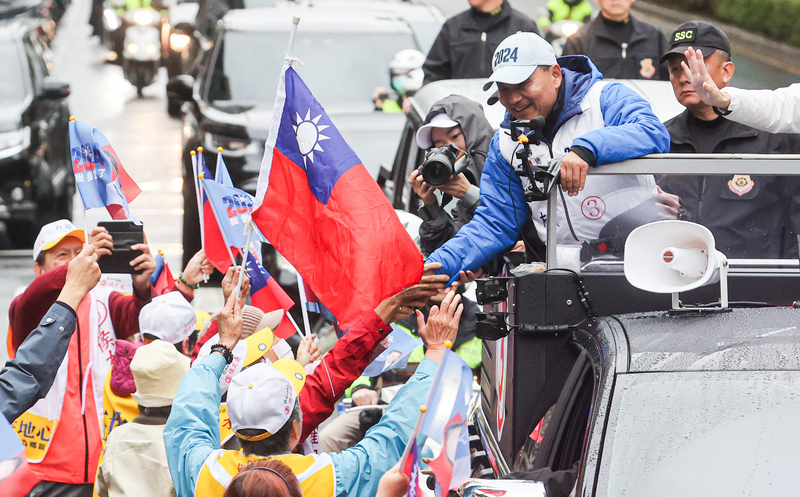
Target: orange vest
{"points": [[62, 432]]}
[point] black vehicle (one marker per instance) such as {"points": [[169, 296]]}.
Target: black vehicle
{"points": [[37, 182], [230, 103], [595, 384]]}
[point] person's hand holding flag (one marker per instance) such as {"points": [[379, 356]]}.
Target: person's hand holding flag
{"points": [[230, 280]]}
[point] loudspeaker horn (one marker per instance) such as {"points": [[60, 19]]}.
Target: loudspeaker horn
{"points": [[671, 257]]}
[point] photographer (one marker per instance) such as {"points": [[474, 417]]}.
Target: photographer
{"points": [[459, 121]]}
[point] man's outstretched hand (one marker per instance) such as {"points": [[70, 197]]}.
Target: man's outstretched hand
{"points": [[402, 304], [702, 83]]}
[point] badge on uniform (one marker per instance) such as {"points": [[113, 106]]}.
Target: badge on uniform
{"points": [[647, 69], [741, 184]]}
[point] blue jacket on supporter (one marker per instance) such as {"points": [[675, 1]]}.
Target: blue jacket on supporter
{"points": [[629, 129]]}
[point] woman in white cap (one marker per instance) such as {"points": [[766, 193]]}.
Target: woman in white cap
{"points": [[459, 121]]}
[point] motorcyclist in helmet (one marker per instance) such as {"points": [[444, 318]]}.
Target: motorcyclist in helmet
{"points": [[405, 77], [558, 10]]}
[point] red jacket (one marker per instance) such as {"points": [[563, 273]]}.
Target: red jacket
{"points": [[75, 448], [339, 368]]}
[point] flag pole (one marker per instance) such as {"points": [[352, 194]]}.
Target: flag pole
{"points": [[413, 438], [294, 323], [250, 230], [198, 197], [292, 34], [448, 345], [222, 232], [301, 289]]}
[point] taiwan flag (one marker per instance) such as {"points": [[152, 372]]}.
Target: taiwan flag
{"points": [[99, 175], [267, 295], [214, 244], [162, 279], [318, 206], [444, 421], [411, 470]]}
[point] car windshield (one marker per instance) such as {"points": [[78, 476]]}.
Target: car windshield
{"points": [[341, 69], [702, 433], [12, 77]]}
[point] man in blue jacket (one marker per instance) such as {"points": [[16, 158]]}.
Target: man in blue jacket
{"points": [[588, 123]]}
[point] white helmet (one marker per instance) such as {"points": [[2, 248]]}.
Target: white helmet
{"points": [[411, 223], [406, 60]]}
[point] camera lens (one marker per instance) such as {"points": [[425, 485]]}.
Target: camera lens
{"points": [[436, 172]]}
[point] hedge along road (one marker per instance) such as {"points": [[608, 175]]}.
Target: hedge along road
{"points": [[760, 63]]}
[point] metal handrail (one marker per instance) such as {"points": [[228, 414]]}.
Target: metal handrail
{"points": [[706, 164], [686, 164]]}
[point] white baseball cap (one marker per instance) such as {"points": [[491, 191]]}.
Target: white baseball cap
{"points": [[245, 353], [439, 121], [168, 317], [263, 396], [517, 57], [51, 234], [158, 369]]}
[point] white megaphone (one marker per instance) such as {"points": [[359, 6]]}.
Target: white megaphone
{"points": [[673, 257]]}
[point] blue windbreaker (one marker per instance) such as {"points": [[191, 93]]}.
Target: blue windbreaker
{"points": [[630, 130]]}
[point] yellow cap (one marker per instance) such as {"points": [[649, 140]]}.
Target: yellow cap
{"points": [[293, 371], [257, 345], [423, 408], [448, 344], [192, 152], [71, 118], [201, 175], [200, 150], [219, 149]]}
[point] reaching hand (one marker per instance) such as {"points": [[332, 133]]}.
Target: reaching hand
{"points": [[365, 397], [197, 266], [308, 351], [229, 320], [442, 325], [230, 280], [573, 173], [702, 83], [83, 273], [667, 204], [422, 189], [402, 304]]}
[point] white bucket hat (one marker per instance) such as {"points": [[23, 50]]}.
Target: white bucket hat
{"points": [[168, 317], [263, 397], [158, 369], [439, 121]]}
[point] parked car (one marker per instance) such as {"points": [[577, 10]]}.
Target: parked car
{"points": [[344, 55], [423, 19], [37, 183]]}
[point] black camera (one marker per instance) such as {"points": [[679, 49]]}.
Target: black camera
{"points": [[439, 165]]}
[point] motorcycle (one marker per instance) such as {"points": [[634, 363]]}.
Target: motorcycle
{"points": [[558, 33], [141, 54]]}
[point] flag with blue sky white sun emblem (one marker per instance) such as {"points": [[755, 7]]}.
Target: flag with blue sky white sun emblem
{"points": [[318, 206]]}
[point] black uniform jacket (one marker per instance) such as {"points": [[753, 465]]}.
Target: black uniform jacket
{"points": [[639, 60], [467, 41], [750, 216]]}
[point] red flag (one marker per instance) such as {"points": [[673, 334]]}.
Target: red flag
{"points": [[323, 212], [165, 281], [267, 295], [411, 470], [215, 246]]}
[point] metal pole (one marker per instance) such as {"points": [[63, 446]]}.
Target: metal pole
{"points": [[552, 227]]}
